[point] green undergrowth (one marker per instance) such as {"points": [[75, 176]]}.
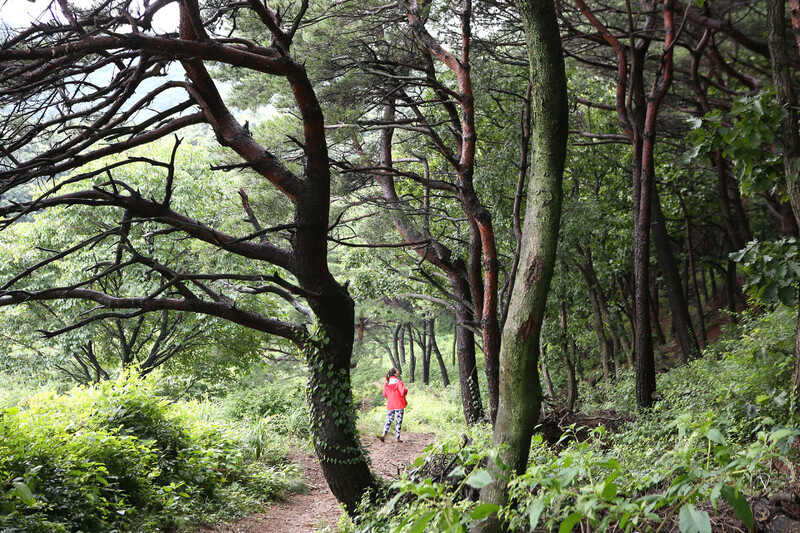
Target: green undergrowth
{"points": [[721, 433], [117, 457]]}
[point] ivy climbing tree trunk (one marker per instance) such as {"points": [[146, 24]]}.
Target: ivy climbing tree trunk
{"points": [[520, 392]]}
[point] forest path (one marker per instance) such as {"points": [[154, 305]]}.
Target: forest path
{"points": [[318, 510]]}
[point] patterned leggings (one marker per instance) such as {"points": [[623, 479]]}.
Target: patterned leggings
{"points": [[391, 415]]}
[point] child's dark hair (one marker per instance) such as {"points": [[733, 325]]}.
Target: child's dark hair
{"points": [[393, 372]]}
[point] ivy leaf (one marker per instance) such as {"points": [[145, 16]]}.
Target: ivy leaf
{"points": [[739, 504], [693, 520], [479, 479], [567, 525]]}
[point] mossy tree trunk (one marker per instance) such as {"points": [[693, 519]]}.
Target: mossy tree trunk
{"points": [[520, 392]]}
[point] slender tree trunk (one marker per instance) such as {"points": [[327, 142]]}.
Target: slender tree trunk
{"points": [[425, 348], [483, 265], [551, 393], [608, 343], [704, 282], [435, 347], [412, 360], [397, 342], [655, 315], [572, 382], [714, 288], [693, 268], [401, 344], [520, 392], [455, 339], [573, 349], [467, 366], [600, 331], [679, 308], [730, 286]]}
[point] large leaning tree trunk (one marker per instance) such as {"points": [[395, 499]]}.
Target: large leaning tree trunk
{"points": [[520, 392], [60, 116], [781, 75]]}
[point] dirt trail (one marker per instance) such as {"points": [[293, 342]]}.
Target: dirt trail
{"points": [[318, 510]]}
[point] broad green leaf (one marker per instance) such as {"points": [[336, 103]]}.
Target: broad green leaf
{"points": [[715, 435], [457, 472], [567, 476], [610, 463], [24, 492], [779, 434], [421, 523], [483, 510], [535, 513], [739, 504], [567, 525], [610, 490], [693, 520], [479, 479]]}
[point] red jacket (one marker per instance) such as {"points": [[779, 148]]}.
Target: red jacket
{"points": [[395, 392]]}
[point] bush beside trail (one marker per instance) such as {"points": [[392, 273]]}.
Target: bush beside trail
{"points": [[117, 457]]}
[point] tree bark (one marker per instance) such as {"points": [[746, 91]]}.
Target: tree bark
{"points": [[600, 332], [520, 392]]}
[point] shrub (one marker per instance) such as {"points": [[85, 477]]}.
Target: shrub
{"points": [[116, 457]]}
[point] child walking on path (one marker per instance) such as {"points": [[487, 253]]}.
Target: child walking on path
{"points": [[395, 392]]}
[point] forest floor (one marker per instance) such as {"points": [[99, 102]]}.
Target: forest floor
{"points": [[317, 510]]}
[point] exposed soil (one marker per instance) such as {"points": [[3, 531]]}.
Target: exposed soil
{"points": [[318, 510]]}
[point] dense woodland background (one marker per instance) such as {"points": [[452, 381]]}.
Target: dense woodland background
{"points": [[223, 222]]}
